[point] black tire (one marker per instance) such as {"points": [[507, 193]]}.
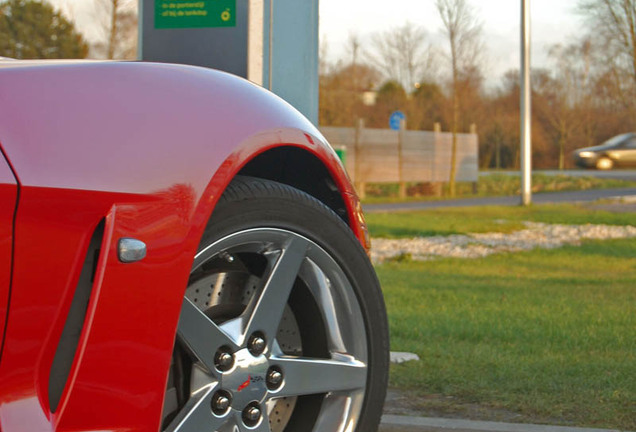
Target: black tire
{"points": [[253, 210]]}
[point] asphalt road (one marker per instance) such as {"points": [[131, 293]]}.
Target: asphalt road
{"points": [[539, 198]]}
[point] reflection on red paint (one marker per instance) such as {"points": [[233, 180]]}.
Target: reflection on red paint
{"points": [[310, 140]]}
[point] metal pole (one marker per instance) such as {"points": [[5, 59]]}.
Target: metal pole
{"points": [[270, 49], [526, 133], [401, 182], [140, 29]]}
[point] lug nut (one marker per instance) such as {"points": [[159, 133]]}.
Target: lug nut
{"points": [[251, 414], [221, 402], [274, 378], [223, 360], [256, 344]]}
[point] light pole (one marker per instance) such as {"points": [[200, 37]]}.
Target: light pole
{"points": [[526, 132]]}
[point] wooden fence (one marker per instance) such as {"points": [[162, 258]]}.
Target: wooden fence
{"points": [[388, 156]]}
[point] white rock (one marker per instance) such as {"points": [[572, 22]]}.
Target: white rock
{"points": [[401, 357], [535, 235]]}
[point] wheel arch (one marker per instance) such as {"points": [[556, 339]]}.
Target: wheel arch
{"points": [[298, 158], [302, 170]]}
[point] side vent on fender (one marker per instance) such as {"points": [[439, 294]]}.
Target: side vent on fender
{"points": [[67, 346]]}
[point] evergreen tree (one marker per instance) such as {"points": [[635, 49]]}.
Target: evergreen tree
{"points": [[31, 29]]}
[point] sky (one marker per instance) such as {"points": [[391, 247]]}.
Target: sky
{"points": [[553, 21]]}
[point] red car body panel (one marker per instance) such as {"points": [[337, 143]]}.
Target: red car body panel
{"points": [[8, 196], [148, 149]]}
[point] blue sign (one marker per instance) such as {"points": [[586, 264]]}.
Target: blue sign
{"points": [[396, 119]]}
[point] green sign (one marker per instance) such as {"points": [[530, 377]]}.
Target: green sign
{"points": [[170, 14]]}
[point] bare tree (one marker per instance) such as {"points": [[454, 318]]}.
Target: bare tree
{"points": [[564, 96], [613, 23], [118, 21], [324, 64], [353, 48], [463, 30], [343, 84], [403, 54]]}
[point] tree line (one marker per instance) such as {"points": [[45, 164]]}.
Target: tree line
{"points": [[585, 95], [34, 29]]}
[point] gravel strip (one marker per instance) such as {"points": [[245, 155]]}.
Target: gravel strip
{"points": [[535, 235]]}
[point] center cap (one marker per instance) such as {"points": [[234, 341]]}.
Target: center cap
{"points": [[247, 380]]}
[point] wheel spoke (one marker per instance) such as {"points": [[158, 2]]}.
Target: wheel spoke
{"points": [[304, 376], [333, 414], [201, 335], [319, 286], [197, 414], [269, 308]]}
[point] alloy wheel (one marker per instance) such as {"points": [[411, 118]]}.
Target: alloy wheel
{"points": [[270, 335]]}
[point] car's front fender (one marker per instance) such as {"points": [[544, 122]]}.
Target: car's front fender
{"points": [[146, 150]]}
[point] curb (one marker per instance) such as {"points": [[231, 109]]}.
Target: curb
{"points": [[408, 424]]}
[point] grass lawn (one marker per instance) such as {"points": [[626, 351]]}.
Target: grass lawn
{"points": [[486, 219], [550, 334], [547, 334]]}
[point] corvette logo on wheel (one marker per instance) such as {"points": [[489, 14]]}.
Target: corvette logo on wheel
{"points": [[245, 384]]}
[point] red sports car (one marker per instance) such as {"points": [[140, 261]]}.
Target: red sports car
{"points": [[180, 250]]}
